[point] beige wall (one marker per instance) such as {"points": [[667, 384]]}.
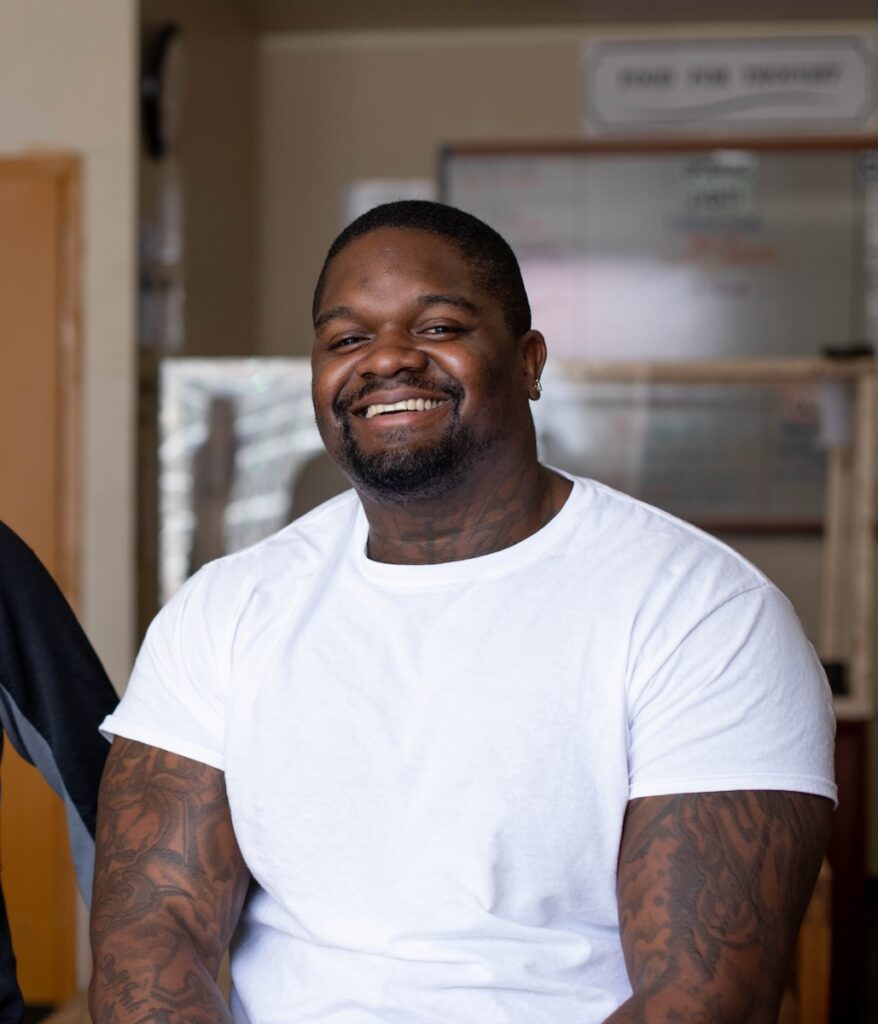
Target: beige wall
{"points": [[67, 80]]}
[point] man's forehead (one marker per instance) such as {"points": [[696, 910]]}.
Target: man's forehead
{"points": [[390, 257]]}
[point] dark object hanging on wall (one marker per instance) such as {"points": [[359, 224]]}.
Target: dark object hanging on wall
{"points": [[161, 88]]}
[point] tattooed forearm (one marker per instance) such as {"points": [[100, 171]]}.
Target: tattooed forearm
{"points": [[169, 886], [712, 888]]}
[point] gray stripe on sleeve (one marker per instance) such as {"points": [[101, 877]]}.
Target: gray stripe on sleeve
{"points": [[34, 748]]}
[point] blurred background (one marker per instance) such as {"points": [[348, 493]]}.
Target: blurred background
{"points": [[682, 181]]}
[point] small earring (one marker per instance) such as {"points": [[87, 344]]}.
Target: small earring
{"points": [[538, 387]]}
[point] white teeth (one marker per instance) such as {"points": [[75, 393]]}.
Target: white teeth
{"points": [[405, 405]]}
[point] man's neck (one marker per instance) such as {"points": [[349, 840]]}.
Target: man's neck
{"points": [[466, 522]]}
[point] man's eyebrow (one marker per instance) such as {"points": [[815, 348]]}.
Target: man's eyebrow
{"points": [[456, 301], [336, 313]]}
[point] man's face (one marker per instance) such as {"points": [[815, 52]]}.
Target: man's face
{"points": [[416, 377]]}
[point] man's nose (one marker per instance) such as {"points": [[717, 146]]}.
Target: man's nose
{"points": [[391, 351]]}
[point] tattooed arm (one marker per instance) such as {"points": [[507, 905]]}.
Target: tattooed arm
{"points": [[712, 888], [169, 886]]}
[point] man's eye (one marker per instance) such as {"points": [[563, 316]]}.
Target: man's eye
{"points": [[348, 339], [439, 330]]}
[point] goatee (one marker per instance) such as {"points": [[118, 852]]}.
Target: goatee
{"points": [[411, 473], [407, 472]]}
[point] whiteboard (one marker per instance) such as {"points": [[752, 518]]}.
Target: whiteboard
{"points": [[683, 254]]}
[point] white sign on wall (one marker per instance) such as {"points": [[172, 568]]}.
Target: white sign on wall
{"points": [[798, 84]]}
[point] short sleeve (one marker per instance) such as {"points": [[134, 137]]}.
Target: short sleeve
{"points": [[175, 696], [740, 702]]}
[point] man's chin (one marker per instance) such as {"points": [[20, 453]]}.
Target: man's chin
{"points": [[409, 472], [404, 474]]}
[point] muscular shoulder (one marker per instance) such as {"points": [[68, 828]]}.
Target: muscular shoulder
{"points": [[723, 690], [211, 612], [295, 552], [652, 559], [189, 664]]}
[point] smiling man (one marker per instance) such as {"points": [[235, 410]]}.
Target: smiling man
{"points": [[474, 743]]}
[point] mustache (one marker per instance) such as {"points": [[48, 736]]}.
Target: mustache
{"points": [[408, 380]]}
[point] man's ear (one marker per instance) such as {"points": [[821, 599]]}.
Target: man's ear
{"points": [[532, 346]]}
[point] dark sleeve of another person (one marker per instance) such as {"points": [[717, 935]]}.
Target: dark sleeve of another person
{"points": [[53, 692], [53, 695]]}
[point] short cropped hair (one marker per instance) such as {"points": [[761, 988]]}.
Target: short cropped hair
{"points": [[486, 252]]}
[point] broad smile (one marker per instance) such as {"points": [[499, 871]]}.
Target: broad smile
{"points": [[399, 404], [403, 405]]}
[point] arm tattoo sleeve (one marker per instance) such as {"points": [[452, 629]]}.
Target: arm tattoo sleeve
{"points": [[712, 888], [169, 886]]}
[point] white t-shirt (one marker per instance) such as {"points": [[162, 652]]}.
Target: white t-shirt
{"points": [[428, 766]]}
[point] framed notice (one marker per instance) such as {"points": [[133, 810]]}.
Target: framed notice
{"points": [[821, 84]]}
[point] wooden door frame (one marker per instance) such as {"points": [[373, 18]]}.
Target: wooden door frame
{"points": [[64, 170], [60, 174]]}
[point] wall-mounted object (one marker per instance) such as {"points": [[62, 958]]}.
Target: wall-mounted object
{"points": [[161, 90], [658, 250], [709, 86]]}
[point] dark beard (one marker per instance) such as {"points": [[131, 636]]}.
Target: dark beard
{"points": [[410, 474], [417, 472]]}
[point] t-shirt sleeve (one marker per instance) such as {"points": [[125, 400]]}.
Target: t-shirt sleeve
{"points": [[740, 702], [175, 696]]}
